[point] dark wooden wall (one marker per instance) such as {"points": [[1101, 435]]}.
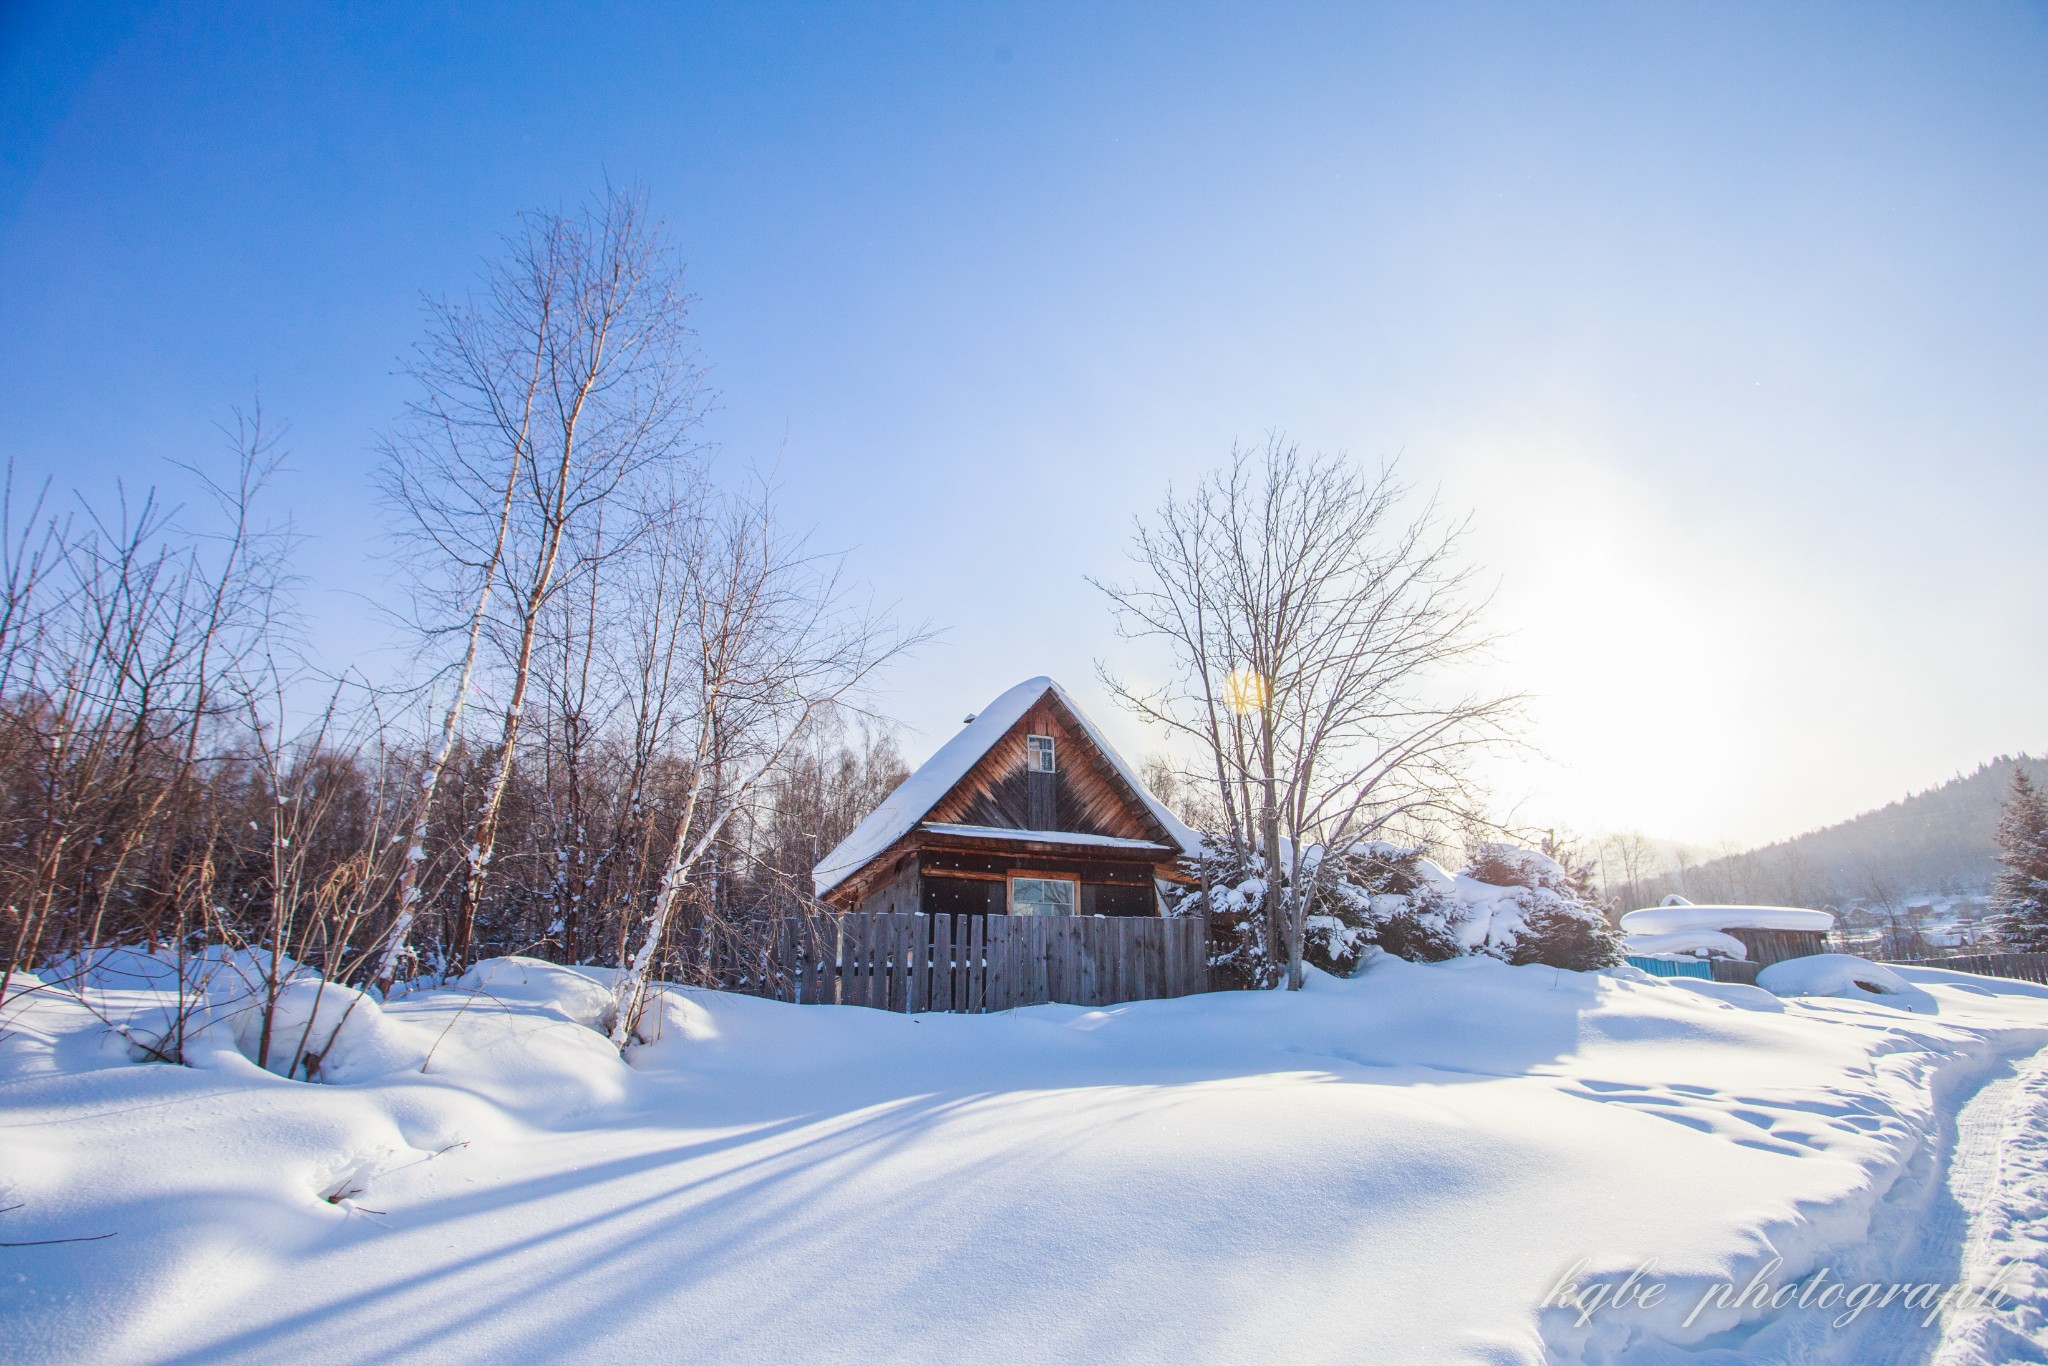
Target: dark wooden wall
{"points": [[1086, 793], [963, 896], [1775, 946], [970, 896]]}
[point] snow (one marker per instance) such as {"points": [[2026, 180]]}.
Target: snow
{"points": [[1669, 919], [902, 809], [1845, 975], [997, 832], [1401, 1166], [1686, 943]]}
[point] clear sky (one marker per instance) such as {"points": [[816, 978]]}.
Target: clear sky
{"points": [[1728, 323]]}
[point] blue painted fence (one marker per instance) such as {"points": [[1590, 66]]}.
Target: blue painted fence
{"points": [[1665, 967]]}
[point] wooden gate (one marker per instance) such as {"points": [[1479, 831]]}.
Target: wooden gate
{"points": [[975, 963]]}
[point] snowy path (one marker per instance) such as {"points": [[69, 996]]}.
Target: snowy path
{"points": [[1965, 1213], [1943, 1240], [1999, 1178]]}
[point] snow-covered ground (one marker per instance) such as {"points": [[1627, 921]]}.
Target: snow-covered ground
{"points": [[1419, 1164]]}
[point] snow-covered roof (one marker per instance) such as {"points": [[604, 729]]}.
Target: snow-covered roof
{"points": [[1671, 919], [902, 809], [1002, 832], [1686, 944]]}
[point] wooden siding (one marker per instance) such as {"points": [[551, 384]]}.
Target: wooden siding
{"points": [[1775, 946], [1104, 898], [897, 894], [1088, 795], [957, 863], [959, 895], [1041, 799]]}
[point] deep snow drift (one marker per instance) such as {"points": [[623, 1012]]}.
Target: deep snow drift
{"points": [[1398, 1167]]}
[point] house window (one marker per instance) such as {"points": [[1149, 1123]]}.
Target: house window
{"points": [[1043, 895], [1038, 754]]}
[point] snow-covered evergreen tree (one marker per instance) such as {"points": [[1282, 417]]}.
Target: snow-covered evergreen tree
{"points": [[1384, 894], [2019, 896], [1561, 923], [1235, 905]]}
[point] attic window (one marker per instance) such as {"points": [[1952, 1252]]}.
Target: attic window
{"points": [[1038, 754]]}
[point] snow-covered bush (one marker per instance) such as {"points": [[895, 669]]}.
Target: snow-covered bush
{"points": [[229, 1006], [1846, 976], [1235, 906], [1514, 904], [1386, 895], [1554, 918]]}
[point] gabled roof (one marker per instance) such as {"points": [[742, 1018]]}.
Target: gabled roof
{"points": [[900, 812]]}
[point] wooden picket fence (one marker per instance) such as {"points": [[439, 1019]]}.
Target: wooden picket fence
{"points": [[2022, 967], [975, 963]]}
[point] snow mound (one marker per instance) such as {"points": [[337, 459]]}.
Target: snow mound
{"points": [[236, 1009], [1690, 943], [1846, 976], [1669, 919], [574, 994]]}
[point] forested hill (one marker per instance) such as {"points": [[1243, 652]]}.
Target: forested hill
{"points": [[1938, 841]]}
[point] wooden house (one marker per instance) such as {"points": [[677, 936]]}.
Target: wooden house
{"points": [[1026, 811]]}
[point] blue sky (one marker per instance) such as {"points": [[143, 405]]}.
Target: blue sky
{"points": [[1728, 324]]}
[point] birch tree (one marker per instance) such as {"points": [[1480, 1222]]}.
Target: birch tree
{"points": [[544, 401], [1313, 628], [765, 640]]}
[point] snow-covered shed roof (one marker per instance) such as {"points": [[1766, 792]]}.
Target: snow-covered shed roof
{"points": [[1685, 944], [902, 809], [1672, 919]]}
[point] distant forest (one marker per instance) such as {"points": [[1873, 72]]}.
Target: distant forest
{"points": [[1933, 843]]}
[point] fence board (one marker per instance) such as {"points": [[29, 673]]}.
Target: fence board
{"points": [[996, 944], [975, 979], [1169, 962], [895, 931], [847, 968], [977, 973], [1041, 961], [861, 960], [1074, 961], [824, 962], [992, 975], [900, 945]]}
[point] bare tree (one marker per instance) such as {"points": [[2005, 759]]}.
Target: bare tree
{"points": [[121, 633], [1311, 628], [836, 773], [1629, 862], [766, 642], [543, 403]]}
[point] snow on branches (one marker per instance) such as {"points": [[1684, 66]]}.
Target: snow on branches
{"points": [[1510, 903]]}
